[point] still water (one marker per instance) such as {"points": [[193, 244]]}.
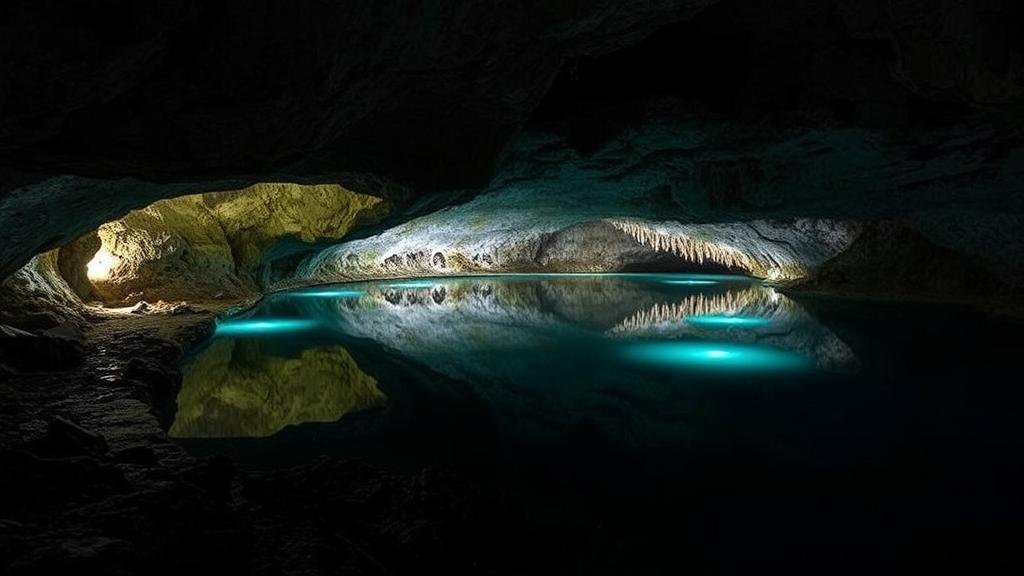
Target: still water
{"points": [[651, 415]]}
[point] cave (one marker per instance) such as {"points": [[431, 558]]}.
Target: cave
{"points": [[592, 287]]}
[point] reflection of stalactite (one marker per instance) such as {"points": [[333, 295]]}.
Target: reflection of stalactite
{"points": [[413, 296], [692, 249], [701, 304]]}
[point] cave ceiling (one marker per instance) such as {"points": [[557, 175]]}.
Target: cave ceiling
{"points": [[696, 111]]}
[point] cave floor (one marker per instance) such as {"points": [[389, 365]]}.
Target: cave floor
{"points": [[117, 390]]}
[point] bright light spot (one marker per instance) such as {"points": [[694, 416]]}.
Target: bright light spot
{"points": [[261, 327], [691, 282], [329, 294], [711, 320], [718, 356], [412, 285], [101, 264]]}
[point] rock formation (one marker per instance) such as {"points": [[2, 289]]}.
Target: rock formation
{"points": [[216, 245]]}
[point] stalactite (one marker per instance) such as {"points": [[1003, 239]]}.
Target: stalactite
{"points": [[689, 248]]}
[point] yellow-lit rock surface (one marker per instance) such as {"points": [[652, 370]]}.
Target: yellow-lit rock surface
{"points": [[255, 218], [37, 296], [211, 245], [236, 388]]}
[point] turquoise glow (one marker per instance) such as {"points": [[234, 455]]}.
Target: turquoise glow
{"points": [[691, 282], [261, 327], [724, 321], [412, 285], [722, 356], [330, 294]]}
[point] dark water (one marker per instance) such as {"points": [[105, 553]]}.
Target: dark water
{"points": [[666, 422]]}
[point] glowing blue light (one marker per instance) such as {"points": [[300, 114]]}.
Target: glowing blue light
{"points": [[691, 282], [715, 356], [261, 327], [412, 285], [724, 321], [330, 294]]}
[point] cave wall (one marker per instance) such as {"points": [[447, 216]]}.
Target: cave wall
{"points": [[467, 240], [212, 246], [109, 108], [37, 297], [692, 175], [696, 111], [893, 260]]}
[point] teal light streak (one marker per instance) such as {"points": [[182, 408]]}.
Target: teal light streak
{"points": [[261, 327], [724, 321], [691, 282], [330, 294], [718, 356]]}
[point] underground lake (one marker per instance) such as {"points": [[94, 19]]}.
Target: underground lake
{"points": [[663, 414]]}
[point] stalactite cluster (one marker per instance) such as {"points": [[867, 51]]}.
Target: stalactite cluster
{"points": [[690, 248]]}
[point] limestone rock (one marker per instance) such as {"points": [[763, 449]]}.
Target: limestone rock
{"points": [[893, 260], [211, 246], [38, 298]]}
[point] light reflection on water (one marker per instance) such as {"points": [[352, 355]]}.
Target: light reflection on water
{"points": [[729, 320], [633, 410], [567, 340], [262, 327], [716, 356]]}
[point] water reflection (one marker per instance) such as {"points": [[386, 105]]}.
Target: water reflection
{"points": [[246, 387], [540, 351], [716, 356], [262, 327], [628, 414], [447, 318]]}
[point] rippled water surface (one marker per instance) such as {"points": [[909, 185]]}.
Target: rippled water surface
{"points": [[654, 412]]}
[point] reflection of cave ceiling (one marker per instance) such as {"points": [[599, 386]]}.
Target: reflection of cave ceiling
{"points": [[493, 334], [453, 318]]}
